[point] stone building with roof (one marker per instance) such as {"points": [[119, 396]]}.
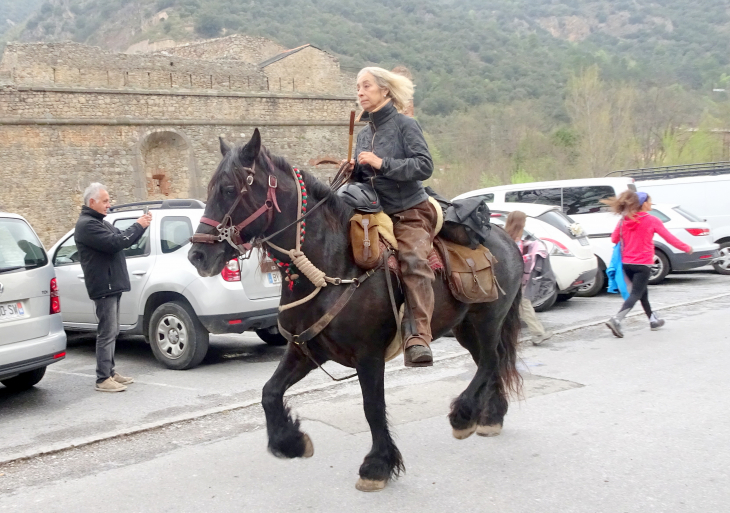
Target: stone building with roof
{"points": [[147, 125]]}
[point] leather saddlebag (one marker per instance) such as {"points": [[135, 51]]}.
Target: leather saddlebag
{"points": [[470, 272], [365, 241]]}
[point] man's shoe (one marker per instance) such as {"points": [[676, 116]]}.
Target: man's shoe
{"points": [[615, 326], [539, 339], [109, 385], [418, 356], [122, 380]]}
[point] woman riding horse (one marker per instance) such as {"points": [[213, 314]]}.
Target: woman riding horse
{"points": [[391, 154]]}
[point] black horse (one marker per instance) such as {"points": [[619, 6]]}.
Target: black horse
{"points": [[359, 335]]}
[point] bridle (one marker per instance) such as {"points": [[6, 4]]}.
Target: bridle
{"points": [[226, 231]]}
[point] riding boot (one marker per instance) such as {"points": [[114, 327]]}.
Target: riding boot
{"points": [[414, 230]]}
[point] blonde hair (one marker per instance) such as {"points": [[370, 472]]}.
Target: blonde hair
{"points": [[400, 88], [515, 224], [627, 204]]}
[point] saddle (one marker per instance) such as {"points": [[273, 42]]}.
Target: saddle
{"points": [[469, 272]]}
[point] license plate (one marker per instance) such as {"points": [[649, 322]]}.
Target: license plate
{"points": [[274, 278], [10, 311], [583, 241]]}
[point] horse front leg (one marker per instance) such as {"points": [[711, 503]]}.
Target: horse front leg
{"points": [[384, 460], [285, 438]]}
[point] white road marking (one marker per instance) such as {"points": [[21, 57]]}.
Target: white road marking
{"points": [[136, 381]]}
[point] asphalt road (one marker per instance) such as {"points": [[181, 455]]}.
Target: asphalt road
{"points": [[607, 425]]}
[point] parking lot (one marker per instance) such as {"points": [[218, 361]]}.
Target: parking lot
{"points": [[64, 410]]}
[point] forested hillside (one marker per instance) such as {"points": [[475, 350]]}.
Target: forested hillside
{"points": [[503, 86], [14, 12]]}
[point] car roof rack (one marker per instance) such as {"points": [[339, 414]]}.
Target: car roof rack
{"points": [[159, 204], [680, 171]]}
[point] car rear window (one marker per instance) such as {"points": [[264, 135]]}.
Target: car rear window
{"points": [[586, 200], [489, 197], [540, 196], [558, 220], [19, 246], [688, 215], [175, 232]]}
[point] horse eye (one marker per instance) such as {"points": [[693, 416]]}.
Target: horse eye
{"points": [[229, 190]]}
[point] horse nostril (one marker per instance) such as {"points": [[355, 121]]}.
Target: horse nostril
{"points": [[196, 257]]}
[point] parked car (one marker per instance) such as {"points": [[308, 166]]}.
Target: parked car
{"points": [[707, 198], [31, 328], [579, 199], [170, 304], [570, 252], [682, 224]]}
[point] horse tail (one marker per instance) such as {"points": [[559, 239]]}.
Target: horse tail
{"points": [[507, 348]]}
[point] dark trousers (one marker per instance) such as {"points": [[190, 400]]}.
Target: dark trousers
{"points": [[639, 276], [107, 311], [414, 229]]}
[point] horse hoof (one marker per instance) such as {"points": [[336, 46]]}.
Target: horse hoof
{"points": [[308, 446], [493, 430], [461, 434], [370, 485]]}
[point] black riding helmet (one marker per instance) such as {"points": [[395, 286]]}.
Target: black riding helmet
{"points": [[360, 196]]}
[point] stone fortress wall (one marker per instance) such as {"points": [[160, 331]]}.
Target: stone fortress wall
{"points": [[72, 114]]}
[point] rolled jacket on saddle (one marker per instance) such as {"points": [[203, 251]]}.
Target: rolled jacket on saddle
{"points": [[399, 141]]}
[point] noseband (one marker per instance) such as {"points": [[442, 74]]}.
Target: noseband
{"points": [[226, 231]]}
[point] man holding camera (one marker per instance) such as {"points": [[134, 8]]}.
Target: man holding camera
{"points": [[100, 247]]}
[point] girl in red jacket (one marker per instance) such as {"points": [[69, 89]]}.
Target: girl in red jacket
{"points": [[635, 233]]}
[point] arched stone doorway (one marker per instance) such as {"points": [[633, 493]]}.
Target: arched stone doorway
{"points": [[168, 166]]}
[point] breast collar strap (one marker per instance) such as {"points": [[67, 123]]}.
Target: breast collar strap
{"points": [[230, 233]]}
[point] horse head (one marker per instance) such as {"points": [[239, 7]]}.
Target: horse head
{"points": [[239, 206]]}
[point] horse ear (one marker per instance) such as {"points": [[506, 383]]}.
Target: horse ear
{"points": [[225, 148], [251, 150]]}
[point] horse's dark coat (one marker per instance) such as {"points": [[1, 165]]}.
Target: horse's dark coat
{"points": [[359, 335]]}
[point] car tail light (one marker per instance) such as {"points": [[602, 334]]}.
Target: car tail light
{"points": [[558, 249], [231, 272], [698, 231], [55, 300]]}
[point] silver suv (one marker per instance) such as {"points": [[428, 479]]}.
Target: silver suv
{"points": [[170, 304], [31, 330]]}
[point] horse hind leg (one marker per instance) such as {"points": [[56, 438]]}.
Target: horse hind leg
{"points": [[384, 461], [285, 438], [464, 409], [482, 406]]}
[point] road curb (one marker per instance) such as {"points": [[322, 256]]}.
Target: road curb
{"points": [[84, 441]]}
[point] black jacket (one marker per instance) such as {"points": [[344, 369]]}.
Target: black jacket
{"points": [[100, 248], [398, 140]]}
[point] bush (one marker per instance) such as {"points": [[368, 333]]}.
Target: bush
{"points": [[208, 25]]}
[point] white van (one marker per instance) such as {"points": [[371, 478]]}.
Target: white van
{"points": [[707, 197], [31, 328]]}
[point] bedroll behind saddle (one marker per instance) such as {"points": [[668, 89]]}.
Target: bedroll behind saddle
{"points": [[470, 272]]}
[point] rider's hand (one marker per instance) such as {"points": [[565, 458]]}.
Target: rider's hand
{"points": [[145, 220], [351, 165], [368, 157]]}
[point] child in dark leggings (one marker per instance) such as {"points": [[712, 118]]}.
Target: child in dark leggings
{"points": [[635, 233]]}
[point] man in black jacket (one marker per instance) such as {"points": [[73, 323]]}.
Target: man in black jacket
{"points": [[101, 248]]}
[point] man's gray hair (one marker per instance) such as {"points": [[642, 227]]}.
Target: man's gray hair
{"points": [[92, 192]]}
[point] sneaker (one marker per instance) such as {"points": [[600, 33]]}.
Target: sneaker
{"points": [[122, 380], [539, 339], [655, 322], [615, 326], [109, 385]]}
